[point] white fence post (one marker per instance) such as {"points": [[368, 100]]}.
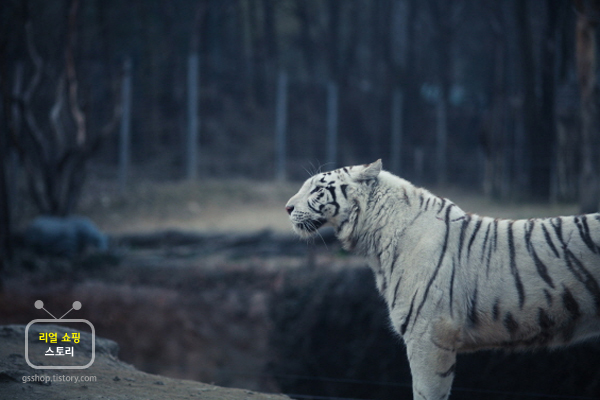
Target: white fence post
{"points": [[332, 124], [193, 120], [396, 142], [125, 134], [281, 126], [442, 141]]}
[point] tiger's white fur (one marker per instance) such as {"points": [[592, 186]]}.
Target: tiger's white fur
{"points": [[455, 281]]}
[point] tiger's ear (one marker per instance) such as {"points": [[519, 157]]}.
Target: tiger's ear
{"points": [[368, 171]]}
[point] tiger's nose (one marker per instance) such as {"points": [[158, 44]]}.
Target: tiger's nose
{"points": [[289, 209]]}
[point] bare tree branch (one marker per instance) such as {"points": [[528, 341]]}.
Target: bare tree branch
{"points": [[55, 113], [36, 133], [78, 115]]}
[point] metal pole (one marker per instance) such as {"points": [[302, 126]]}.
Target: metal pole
{"points": [[281, 125], [332, 124], [125, 134], [193, 123], [442, 139], [396, 142]]}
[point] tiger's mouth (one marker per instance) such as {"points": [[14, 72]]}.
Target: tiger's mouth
{"points": [[311, 226]]}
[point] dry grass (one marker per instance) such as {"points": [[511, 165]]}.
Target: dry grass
{"points": [[215, 206], [241, 206]]}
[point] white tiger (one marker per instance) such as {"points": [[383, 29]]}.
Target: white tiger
{"points": [[455, 281]]}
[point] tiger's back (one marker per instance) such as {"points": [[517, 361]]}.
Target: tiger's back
{"points": [[526, 283]]}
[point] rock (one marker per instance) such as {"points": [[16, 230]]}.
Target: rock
{"points": [[64, 236]]}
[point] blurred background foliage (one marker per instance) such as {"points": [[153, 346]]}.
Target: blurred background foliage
{"points": [[490, 89], [499, 97]]}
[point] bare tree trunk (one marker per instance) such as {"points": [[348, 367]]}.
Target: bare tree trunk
{"points": [[540, 116], [590, 96], [447, 16], [498, 135], [246, 21], [271, 63], [55, 157], [537, 173], [307, 44], [5, 206], [544, 146]]}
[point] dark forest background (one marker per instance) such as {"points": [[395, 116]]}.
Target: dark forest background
{"points": [[500, 96]]}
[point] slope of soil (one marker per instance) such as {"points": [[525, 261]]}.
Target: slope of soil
{"points": [[110, 378]]}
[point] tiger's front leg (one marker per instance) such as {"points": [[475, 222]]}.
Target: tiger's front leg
{"points": [[432, 367]]}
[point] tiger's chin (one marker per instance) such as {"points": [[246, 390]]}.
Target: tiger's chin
{"points": [[309, 228]]}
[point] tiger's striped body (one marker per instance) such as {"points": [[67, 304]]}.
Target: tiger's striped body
{"points": [[455, 281]]}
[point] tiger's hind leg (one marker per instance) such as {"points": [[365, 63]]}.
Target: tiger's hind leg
{"points": [[432, 367]]}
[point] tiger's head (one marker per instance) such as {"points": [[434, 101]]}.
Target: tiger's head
{"points": [[328, 198]]}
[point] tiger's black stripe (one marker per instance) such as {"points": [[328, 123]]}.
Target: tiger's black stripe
{"points": [[396, 292], [528, 228], [513, 266], [333, 202], [410, 311], [549, 298], [546, 324], [442, 205], [343, 189], [449, 372], [452, 288], [406, 198], [427, 203], [440, 261], [549, 240], [495, 242], [384, 284], [490, 249], [472, 309], [473, 235], [312, 208], [511, 325], [576, 267], [584, 233], [357, 212], [496, 310], [572, 307], [396, 257], [463, 229], [571, 304], [485, 241], [584, 276], [341, 225], [541, 268]]}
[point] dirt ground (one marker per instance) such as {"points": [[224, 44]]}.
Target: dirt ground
{"points": [[111, 378]]}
